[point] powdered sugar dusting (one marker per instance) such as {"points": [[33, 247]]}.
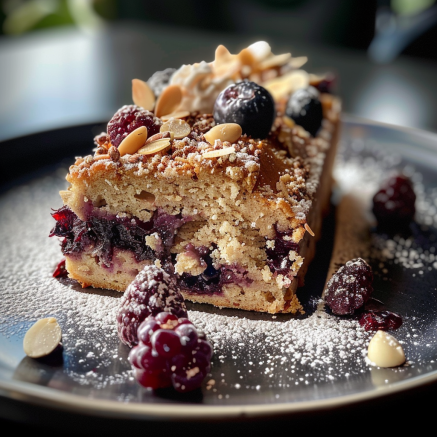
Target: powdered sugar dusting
{"points": [[253, 353]]}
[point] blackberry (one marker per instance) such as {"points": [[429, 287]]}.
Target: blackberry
{"points": [[160, 80], [151, 292], [394, 203], [305, 109], [127, 119], [171, 352], [247, 104], [350, 287]]}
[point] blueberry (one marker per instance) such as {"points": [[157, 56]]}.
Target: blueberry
{"points": [[247, 104], [305, 109]]}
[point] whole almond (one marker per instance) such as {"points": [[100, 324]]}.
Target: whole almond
{"points": [[178, 114], [219, 152], [169, 100], [133, 141], [179, 128], [142, 95], [161, 145], [384, 350], [224, 132]]}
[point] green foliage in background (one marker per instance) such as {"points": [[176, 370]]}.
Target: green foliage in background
{"points": [[21, 16]]}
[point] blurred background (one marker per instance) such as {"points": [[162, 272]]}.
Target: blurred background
{"points": [[67, 62]]}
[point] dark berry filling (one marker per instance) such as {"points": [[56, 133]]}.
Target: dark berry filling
{"points": [[171, 352], [380, 320], [103, 235], [211, 281], [278, 257]]}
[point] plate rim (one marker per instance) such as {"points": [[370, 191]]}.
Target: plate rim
{"points": [[55, 399]]}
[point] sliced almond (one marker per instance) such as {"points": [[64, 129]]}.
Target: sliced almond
{"points": [[222, 53], [142, 95], [288, 83], [42, 338], [298, 79], [133, 141], [274, 61], [161, 145], [227, 69], [180, 128], [169, 100], [160, 136], [289, 121], [224, 132], [298, 61], [178, 114], [260, 50], [309, 230], [246, 57], [218, 153]]}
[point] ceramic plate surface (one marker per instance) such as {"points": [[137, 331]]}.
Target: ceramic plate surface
{"points": [[262, 364]]}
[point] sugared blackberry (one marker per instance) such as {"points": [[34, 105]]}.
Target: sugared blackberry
{"points": [[127, 119], [160, 80], [394, 203], [170, 352], [151, 292], [380, 320], [247, 104], [305, 109], [350, 287]]}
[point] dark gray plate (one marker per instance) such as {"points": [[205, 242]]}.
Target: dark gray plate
{"points": [[263, 365]]}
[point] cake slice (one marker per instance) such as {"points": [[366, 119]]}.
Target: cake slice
{"points": [[229, 201]]}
